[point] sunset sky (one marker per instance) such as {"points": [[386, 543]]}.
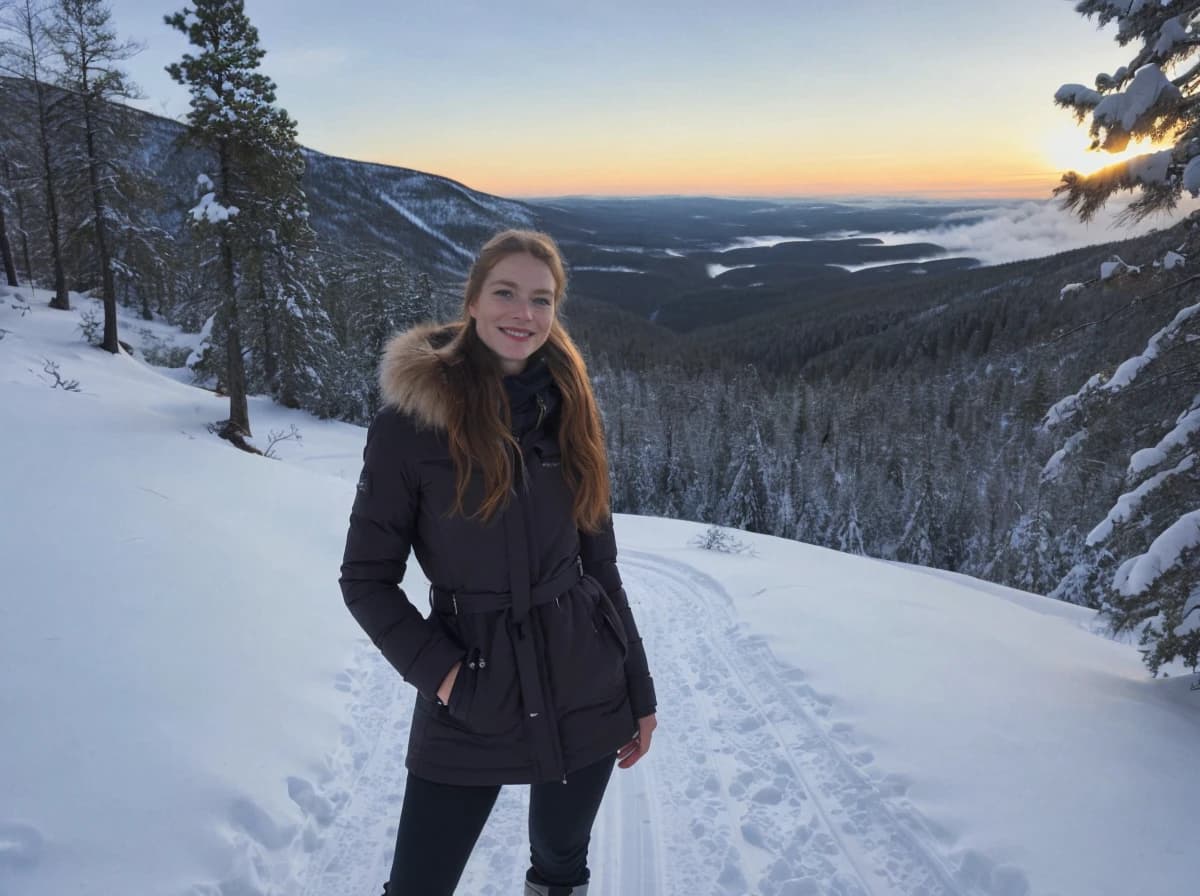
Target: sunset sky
{"points": [[763, 98]]}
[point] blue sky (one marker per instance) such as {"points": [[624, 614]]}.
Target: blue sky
{"points": [[761, 98]]}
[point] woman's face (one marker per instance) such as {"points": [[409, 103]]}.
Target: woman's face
{"points": [[514, 310]]}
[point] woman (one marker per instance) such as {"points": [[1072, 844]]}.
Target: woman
{"points": [[487, 460]]}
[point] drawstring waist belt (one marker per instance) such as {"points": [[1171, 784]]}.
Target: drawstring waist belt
{"points": [[540, 724], [447, 600]]}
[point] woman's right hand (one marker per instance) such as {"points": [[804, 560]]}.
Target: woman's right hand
{"points": [[448, 684]]}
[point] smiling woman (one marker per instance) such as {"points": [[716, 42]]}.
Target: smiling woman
{"points": [[488, 463]]}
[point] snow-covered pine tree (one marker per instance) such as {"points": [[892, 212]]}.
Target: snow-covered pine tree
{"points": [[251, 205], [1155, 96], [98, 132], [370, 296], [26, 54], [1143, 559], [307, 349]]}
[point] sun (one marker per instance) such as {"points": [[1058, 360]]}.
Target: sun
{"points": [[1066, 149]]}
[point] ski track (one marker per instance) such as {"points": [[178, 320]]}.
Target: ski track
{"points": [[763, 793], [749, 788]]}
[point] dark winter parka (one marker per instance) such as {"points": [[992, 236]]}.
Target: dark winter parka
{"points": [[554, 675]]}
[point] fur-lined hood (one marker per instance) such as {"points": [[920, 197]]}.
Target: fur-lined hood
{"points": [[412, 373]]}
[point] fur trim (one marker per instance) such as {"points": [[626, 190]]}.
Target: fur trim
{"points": [[412, 375]]}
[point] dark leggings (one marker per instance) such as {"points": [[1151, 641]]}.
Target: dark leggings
{"points": [[439, 824]]}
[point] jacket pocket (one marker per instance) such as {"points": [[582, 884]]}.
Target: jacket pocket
{"points": [[486, 698], [586, 647], [611, 621]]}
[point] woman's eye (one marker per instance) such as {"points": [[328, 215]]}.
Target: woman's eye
{"points": [[504, 293], [542, 300]]}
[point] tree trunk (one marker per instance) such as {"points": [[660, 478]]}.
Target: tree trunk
{"points": [[99, 211], [268, 316], [10, 268], [61, 300], [235, 365], [21, 229]]}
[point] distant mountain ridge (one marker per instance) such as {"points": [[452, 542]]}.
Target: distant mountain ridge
{"points": [[432, 221]]}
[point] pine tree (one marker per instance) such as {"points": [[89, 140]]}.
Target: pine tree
{"points": [[1155, 96], [1144, 556], [25, 54], [251, 207], [98, 133], [12, 184], [369, 296]]}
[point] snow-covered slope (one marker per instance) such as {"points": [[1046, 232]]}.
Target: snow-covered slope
{"points": [[187, 708]]}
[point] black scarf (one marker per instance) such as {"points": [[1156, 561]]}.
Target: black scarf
{"points": [[524, 389]]}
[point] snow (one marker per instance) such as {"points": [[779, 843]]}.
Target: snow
{"points": [[1191, 176], [1124, 109], [208, 209], [1191, 614], [1127, 505], [1172, 33], [1187, 425], [716, 270], [1070, 289], [421, 225], [762, 242], [1140, 572], [827, 723], [1077, 95], [866, 266], [1172, 260], [1053, 467], [1130, 368], [1116, 265], [1151, 168], [1066, 408]]}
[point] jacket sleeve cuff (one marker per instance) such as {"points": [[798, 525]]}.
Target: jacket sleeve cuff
{"points": [[641, 696]]}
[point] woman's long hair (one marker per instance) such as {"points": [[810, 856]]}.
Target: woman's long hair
{"points": [[480, 420]]}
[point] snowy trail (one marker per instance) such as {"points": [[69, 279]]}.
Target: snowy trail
{"points": [[749, 789], [355, 855], [755, 793]]}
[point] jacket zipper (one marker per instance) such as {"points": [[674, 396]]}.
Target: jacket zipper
{"points": [[551, 722]]}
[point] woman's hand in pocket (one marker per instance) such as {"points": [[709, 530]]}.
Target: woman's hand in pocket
{"points": [[447, 685]]}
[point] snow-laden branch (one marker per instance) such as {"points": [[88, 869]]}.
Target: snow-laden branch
{"points": [[208, 209], [1186, 426], [1125, 374], [1129, 503], [1138, 573], [1149, 94], [1053, 467]]}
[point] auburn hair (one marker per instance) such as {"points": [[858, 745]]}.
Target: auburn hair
{"points": [[479, 424]]}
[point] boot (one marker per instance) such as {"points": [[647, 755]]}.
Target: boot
{"points": [[532, 889]]}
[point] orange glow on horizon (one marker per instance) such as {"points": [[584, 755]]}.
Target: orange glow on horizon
{"points": [[1022, 168], [983, 181]]}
